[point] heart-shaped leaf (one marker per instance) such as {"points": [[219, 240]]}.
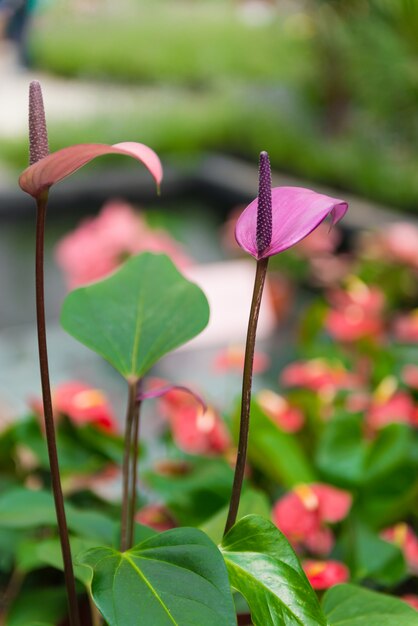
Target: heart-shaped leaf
{"points": [[136, 315], [177, 577], [264, 569], [348, 605]]}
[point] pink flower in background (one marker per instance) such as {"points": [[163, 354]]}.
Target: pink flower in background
{"points": [[232, 359], [404, 537], [304, 513], [288, 418], [194, 430], [411, 599], [409, 376], [156, 516], [100, 244], [399, 242], [82, 404], [397, 408], [325, 574], [371, 299], [352, 323], [318, 375], [320, 242], [405, 327]]}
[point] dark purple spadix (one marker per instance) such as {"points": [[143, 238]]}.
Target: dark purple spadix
{"points": [[38, 137], [264, 209]]}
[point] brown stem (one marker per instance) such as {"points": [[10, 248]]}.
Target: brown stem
{"points": [[126, 468], [10, 594], [48, 416], [134, 472], [246, 393]]}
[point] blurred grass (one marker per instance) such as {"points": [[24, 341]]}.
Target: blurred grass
{"points": [[224, 85]]}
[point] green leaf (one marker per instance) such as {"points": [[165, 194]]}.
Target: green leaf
{"points": [[348, 605], [136, 315], [264, 569], [23, 508], [341, 452], [198, 494], [370, 557], [46, 605], [35, 554], [252, 502], [177, 577], [275, 452]]}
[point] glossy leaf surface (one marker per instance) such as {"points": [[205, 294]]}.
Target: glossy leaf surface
{"points": [[139, 313], [175, 578], [264, 569]]}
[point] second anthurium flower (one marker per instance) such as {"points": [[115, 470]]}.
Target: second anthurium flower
{"points": [[278, 219]]}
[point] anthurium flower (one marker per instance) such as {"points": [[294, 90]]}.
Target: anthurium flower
{"points": [[325, 574], [288, 418], [40, 176], [156, 516], [404, 537], [273, 223], [304, 513], [82, 404]]}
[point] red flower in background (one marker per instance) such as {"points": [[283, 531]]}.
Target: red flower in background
{"points": [[194, 430], [288, 418], [156, 516], [409, 376], [82, 404], [325, 574], [232, 359], [304, 513], [411, 599], [390, 406], [405, 327], [100, 244], [404, 537], [318, 375]]}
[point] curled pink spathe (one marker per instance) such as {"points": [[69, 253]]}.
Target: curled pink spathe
{"points": [[296, 213], [40, 176]]}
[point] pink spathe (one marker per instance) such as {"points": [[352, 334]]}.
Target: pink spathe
{"points": [[40, 176], [296, 212]]}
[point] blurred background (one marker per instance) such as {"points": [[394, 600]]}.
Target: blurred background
{"points": [[328, 87]]}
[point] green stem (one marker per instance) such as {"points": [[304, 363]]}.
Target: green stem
{"points": [[126, 468], [134, 472], [246, 393], [49, 418]]}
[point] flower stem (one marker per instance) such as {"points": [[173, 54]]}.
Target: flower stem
{"points": [[48, 415], [246, 393], [125, 531], [134, 472]]}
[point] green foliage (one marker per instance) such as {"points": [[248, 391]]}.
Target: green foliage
{"points": [[136, 315], [264, 569], [177, 577], [353, 606], [252, 501], [275, 452], [196, 495], [38, 607]]}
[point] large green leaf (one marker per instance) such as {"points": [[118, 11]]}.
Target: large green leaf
{"points": [[264, 569], [177, 577], [275, 452], [348, 605], [136, 315]]}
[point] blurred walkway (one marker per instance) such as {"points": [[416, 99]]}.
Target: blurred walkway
{"points": [[66, 100]]}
